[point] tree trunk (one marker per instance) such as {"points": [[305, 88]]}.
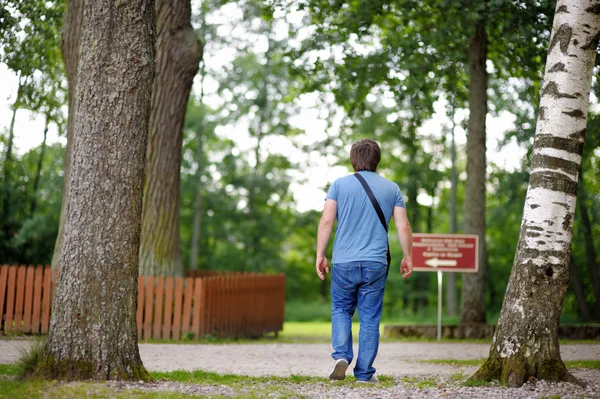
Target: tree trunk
{"points": [[451, 303], [70, 51], [473, 287], [178, 53], [7, 229], [197, 222], [93, 333], [590, 249], [526, 339], [38, 171]]}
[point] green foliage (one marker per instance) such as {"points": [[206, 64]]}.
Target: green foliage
{"points": [[32, 235], [306, 310]]}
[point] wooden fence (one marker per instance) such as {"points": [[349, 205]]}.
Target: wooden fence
{"points": [[220, 304]]}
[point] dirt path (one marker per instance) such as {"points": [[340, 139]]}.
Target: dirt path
{"points": [[394, 359]]}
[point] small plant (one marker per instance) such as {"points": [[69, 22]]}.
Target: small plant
{"points": [[29, 358], [424, 383], [473, 382], [457, 376], [428, 383]]}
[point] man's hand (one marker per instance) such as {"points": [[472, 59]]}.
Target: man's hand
{"points": [[406, 267], [322, 267]]}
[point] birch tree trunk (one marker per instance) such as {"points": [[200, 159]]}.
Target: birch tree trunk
{"points": [[178, 53], [70, 51], [473, 287], [526, 339], [93, 333]]}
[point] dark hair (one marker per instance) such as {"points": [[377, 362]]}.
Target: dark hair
{"points": [[365, 155]]}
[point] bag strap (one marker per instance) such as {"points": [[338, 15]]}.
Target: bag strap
{"points": [[378, 210]]}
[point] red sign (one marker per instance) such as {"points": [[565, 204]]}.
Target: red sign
{"points": [[445, 252]]}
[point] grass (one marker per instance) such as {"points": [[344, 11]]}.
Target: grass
{"points": [[420, 383], [244, 386], [455, 362], [582, 364], [572, 364]]}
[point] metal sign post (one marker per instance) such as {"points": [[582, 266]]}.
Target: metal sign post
{"points": [[439, 326], [445, 252]]}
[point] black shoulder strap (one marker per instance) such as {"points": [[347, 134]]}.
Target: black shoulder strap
{"points": [[373, 200], [377, 209]]}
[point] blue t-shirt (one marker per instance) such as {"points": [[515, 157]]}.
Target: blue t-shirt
{"points": [[359, 235]]}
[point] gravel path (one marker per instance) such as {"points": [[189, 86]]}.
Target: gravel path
{"points": [[398, 360]]}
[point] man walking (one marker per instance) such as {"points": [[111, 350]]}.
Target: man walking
{"points": [[363, 204]]}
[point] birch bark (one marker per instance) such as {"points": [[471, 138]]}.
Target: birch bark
{"points": [[526, 340]]}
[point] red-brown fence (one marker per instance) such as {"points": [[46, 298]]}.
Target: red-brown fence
{"points": [[220, 304]]}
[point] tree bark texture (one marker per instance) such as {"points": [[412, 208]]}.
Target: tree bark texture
{"points": [[473, 287], [93, 333], [70, 51], [178, 53], [526, 339]]}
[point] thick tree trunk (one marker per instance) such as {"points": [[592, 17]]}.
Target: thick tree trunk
{"points": [[178, 53], [451, 302], [473, 287], [38, 172], [526, 339], [93, 333], [70, 51]]}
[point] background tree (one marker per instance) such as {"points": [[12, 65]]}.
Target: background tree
{"points": [[526, 340], [93, 332], [70, 45], [178, 54]]}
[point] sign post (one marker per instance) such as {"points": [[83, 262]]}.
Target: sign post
{"points": [[445, 252]]}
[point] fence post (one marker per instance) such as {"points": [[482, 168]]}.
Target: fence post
{"points": [[148, 307], [168, 320], [21, 274], [158, 306], [197, 306], [28, 310], [3, 281], [178, 308], [37, 299], [46, 299], [187, 306]]}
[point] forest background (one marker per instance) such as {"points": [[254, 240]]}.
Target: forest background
{"points": [[281, 94]]}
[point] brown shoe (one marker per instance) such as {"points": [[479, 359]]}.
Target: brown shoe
{"points": [[338, 372]]}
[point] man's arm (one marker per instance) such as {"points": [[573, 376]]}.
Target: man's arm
{"points": [[405, 238], [323, 235]]}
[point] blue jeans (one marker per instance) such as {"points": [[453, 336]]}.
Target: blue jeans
{"points": [[357, 284]]}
